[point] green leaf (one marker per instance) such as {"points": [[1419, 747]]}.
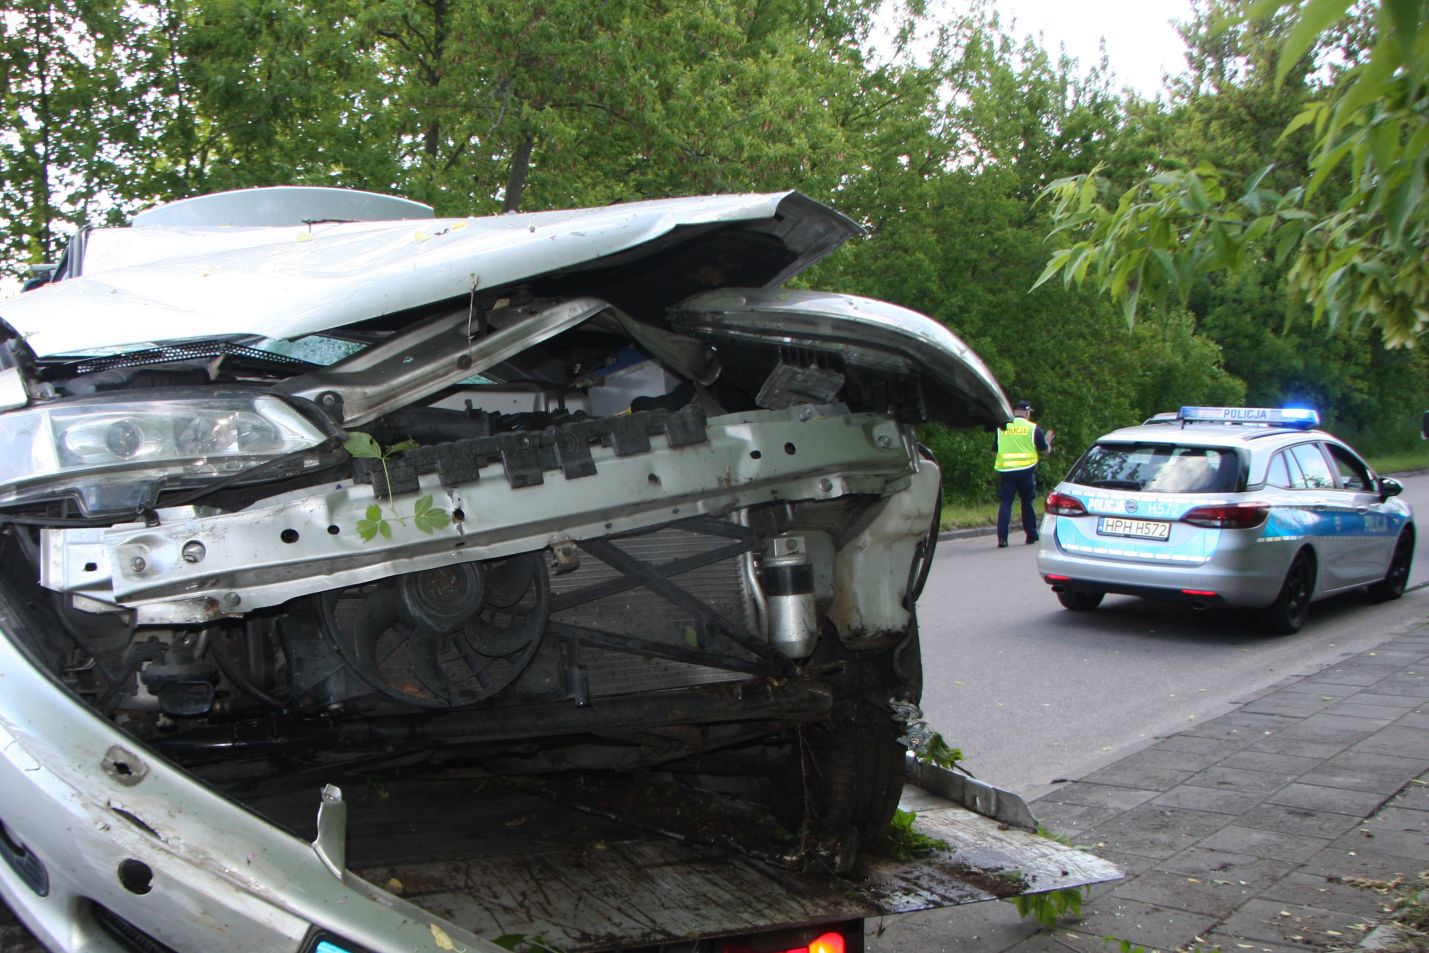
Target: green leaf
{"points": [[385, 528], [367, 529], [1315, 18], [361, 445], [373, 512], [1404, 24], [428, 517], [401, 447]]}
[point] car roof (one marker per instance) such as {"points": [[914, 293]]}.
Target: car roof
{"points": [[1214, 435]]}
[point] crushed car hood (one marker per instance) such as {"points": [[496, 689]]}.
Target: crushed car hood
{"points": [[148, 285]]}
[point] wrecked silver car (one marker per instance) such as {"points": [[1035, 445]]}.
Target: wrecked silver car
{"points": [[304, 490]]}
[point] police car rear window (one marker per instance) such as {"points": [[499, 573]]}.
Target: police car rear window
{"points": [[1158, 468]]}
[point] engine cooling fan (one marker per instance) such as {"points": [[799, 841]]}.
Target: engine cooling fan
{"points": [[445, 637]]}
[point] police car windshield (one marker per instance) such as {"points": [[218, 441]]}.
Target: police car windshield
{"points": [[1158, 468]]}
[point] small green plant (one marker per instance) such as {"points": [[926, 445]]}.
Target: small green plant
{"points": [[1062, 839], [426, 515], [902, 842], [1047, 908], [939, 752]]}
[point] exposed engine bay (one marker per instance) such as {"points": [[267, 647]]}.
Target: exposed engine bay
{"points": [[634, 509]]}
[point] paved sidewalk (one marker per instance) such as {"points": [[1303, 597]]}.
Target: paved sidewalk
{"points": [[1263, 830]]}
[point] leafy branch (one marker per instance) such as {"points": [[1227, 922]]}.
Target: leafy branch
{"points": [[426, 515]]}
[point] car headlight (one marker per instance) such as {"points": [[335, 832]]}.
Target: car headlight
{"points": [[113, 454]]}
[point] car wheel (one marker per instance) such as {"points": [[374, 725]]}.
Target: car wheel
{"points": [[1288, 612], [1394, 581], [1080, 601], [853, 771]]}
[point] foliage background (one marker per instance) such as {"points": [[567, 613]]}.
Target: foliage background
{"points": [[937, 132]]}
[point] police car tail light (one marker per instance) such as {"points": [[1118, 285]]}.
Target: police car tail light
{"points": [[1228, 515], [1060, 504]]}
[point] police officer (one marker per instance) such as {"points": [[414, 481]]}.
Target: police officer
{"points": [[1018, 443]]}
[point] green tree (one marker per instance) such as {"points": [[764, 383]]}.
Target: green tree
{"points": [[1357, 258]]}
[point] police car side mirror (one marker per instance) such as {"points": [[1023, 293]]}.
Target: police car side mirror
{"points": [[1389, 487]]}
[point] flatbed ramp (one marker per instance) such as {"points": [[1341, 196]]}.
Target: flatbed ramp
{"points": [[607, 884]]}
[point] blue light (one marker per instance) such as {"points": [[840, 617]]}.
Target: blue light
{"points": [[327, 946]]}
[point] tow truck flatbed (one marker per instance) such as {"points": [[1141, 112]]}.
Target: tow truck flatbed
{"points": [[529, 864]]}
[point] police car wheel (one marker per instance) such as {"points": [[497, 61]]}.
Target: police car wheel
{"points": [[1080, 601], [1394, 581], [1291, 608]]}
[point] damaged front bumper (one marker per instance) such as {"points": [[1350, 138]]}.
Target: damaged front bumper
{"points": [[99, 835]]}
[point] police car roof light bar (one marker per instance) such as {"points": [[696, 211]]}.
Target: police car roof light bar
{"points": [[1299, 417]]}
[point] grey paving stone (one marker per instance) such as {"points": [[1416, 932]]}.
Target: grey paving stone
{"points": [[1364, 863], [1130, 865], [1217, 898], [1399, 742], [1160, 832], [1157, 756], [1415, 719], [1238, 725], [1412, 684], [1414, 795], [981, 927], [1364, 771], [1207, 799], [1222, 941], [1316, 891], [1145, 924], [1287, 765], [1385, 837], [1245, 780], [1072, 820], [1129, 774], [1297, 925], [1359, 676], [1276, 845], [1326, 690], [1099, 795], [1402, 702], [1216, 748], [1402, 819], [1355, 709], [1296, 746], [1298, 704], [1297, 821], [1332, 729], [1336, 800]]}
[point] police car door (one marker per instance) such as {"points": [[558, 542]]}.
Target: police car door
{"points": [[1333, 513], [1368, 535]]}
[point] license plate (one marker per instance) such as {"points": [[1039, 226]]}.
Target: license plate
{"points": [[1140, 529]]}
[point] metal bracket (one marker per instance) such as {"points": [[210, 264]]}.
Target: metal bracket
{"points": [[331, 842]]}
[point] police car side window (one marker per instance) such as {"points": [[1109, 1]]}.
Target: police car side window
{"points": [[1352, 473], [1313, 466], [1279, 473]]}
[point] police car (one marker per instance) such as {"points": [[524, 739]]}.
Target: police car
{"points": [[1226, 506]]}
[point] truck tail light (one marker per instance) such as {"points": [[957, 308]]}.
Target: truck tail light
{"points": [[843, 938], [1060, 504], [1228, 515]]}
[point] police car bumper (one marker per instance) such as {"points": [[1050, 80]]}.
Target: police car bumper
{"points": [[1240, 572]]}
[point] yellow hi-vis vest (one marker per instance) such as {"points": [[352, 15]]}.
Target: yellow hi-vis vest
{"points": [[1016, 445]]}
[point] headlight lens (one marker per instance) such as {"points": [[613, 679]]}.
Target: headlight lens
{"points": [[87, 445]]}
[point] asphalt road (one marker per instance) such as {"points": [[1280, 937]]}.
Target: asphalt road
{"points": [[1033, 693]]}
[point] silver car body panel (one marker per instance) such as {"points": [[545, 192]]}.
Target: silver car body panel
{"points": [[862, 331], [247, 564], [223, 878], [144, 286]]}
